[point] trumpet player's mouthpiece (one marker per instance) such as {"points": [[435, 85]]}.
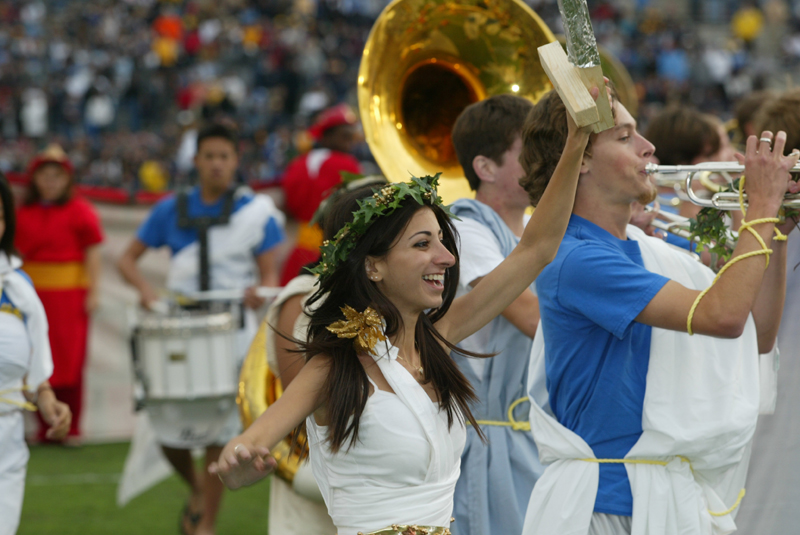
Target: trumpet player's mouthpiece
{"points": [[653, 168]]}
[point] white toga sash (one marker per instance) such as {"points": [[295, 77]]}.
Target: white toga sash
{"points": [[230, 250], [701, 403]]}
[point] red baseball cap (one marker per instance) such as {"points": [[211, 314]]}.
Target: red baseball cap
{"points": [[52, 154], [336, 116]]}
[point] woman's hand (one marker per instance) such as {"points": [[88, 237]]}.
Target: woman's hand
{"points": [[242, 463], [55, 413]]}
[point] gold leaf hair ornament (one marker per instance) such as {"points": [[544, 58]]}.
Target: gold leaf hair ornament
{"points": [[366, 328]]}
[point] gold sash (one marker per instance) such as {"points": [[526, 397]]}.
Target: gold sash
{"points": [[406, 529]]}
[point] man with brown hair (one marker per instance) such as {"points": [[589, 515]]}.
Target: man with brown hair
{"points": [[496, 478], [641, 426], [773, 486]]}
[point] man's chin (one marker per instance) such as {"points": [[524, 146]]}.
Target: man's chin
{"points": [[646, 198]]}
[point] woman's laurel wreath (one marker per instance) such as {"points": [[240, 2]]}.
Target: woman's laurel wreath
{"points": [[382, 203]]}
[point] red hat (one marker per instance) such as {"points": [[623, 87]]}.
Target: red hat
{"points": [[336, 116], [52, 154]]}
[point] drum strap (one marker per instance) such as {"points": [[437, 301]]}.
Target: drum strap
{"points": [[201, 225]]}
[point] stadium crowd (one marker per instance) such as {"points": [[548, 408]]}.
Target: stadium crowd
{"points": [[122, 85]]}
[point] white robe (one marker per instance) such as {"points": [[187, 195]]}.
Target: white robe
{"points": [[24, 353], [701, 403]]}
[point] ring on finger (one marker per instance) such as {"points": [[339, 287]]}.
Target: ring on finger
{"points": [[765, 140]]}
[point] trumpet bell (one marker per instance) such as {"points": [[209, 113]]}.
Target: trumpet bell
{"points": [[424, 62]]}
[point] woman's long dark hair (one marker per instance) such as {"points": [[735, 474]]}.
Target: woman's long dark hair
{"points": [[9, 216], [346, 389]]}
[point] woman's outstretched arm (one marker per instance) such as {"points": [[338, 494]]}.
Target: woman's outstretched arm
{"points": [[245, 459]]}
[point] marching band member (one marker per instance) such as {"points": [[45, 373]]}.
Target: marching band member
{"points": [[644, 429], [774, 474], [497, 478], [684, 136], [311, 177], [289, 512], [59, 236], [221, 237], [25, 366], [384, 403]]}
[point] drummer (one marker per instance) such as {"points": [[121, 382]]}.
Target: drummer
{"points": [[221, 237]]}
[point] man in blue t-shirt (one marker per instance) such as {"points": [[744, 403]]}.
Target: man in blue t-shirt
{"points": [[220, 238], [598, 303]]}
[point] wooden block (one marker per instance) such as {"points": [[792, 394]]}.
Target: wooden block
{"points": [[593, 77], [570, 86]]}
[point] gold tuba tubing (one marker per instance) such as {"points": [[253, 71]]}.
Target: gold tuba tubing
{"points": [[424, 62]]}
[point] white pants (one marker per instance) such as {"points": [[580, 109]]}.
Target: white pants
{"points": [[13, 463], [603, 524]]}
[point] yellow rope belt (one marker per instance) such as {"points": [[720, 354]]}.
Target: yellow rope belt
{"points": [[26, 405], [748, 226], [665, 463], [511, 422]]}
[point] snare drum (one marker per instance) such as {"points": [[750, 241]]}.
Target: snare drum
{"points": [[187, 355], [187, 365]]}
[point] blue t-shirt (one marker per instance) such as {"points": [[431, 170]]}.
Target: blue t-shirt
{"points": [[161, 227], [596, 354]]}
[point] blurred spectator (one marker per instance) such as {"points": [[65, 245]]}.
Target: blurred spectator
{"points": [[58, 236], [121, 73], [311, 177]]}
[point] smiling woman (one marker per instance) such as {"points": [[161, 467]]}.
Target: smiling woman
{"points": [[384, 404]]}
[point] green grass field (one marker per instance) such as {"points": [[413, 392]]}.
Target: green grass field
{"points": [[73, 491]]}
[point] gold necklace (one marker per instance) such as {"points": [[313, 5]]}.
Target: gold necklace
{"points": [[418, 368]]}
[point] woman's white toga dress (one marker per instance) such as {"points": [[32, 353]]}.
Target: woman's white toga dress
{"points": [[404, 467]]}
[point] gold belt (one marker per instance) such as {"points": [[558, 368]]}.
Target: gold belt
{"points": [[406, 529], [57, 275]]}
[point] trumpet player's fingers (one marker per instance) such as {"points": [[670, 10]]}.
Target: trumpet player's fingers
{"points": [[780, 144], [765, 140], [751, 148], [794, 186]]}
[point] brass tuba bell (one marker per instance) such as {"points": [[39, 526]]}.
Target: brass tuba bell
{"points": [[425, 61]]}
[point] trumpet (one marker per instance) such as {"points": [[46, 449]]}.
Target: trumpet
{"points": [[721, 200]]}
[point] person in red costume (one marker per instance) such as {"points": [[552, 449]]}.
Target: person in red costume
{"points": [[311, 177], [58, 236]]}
